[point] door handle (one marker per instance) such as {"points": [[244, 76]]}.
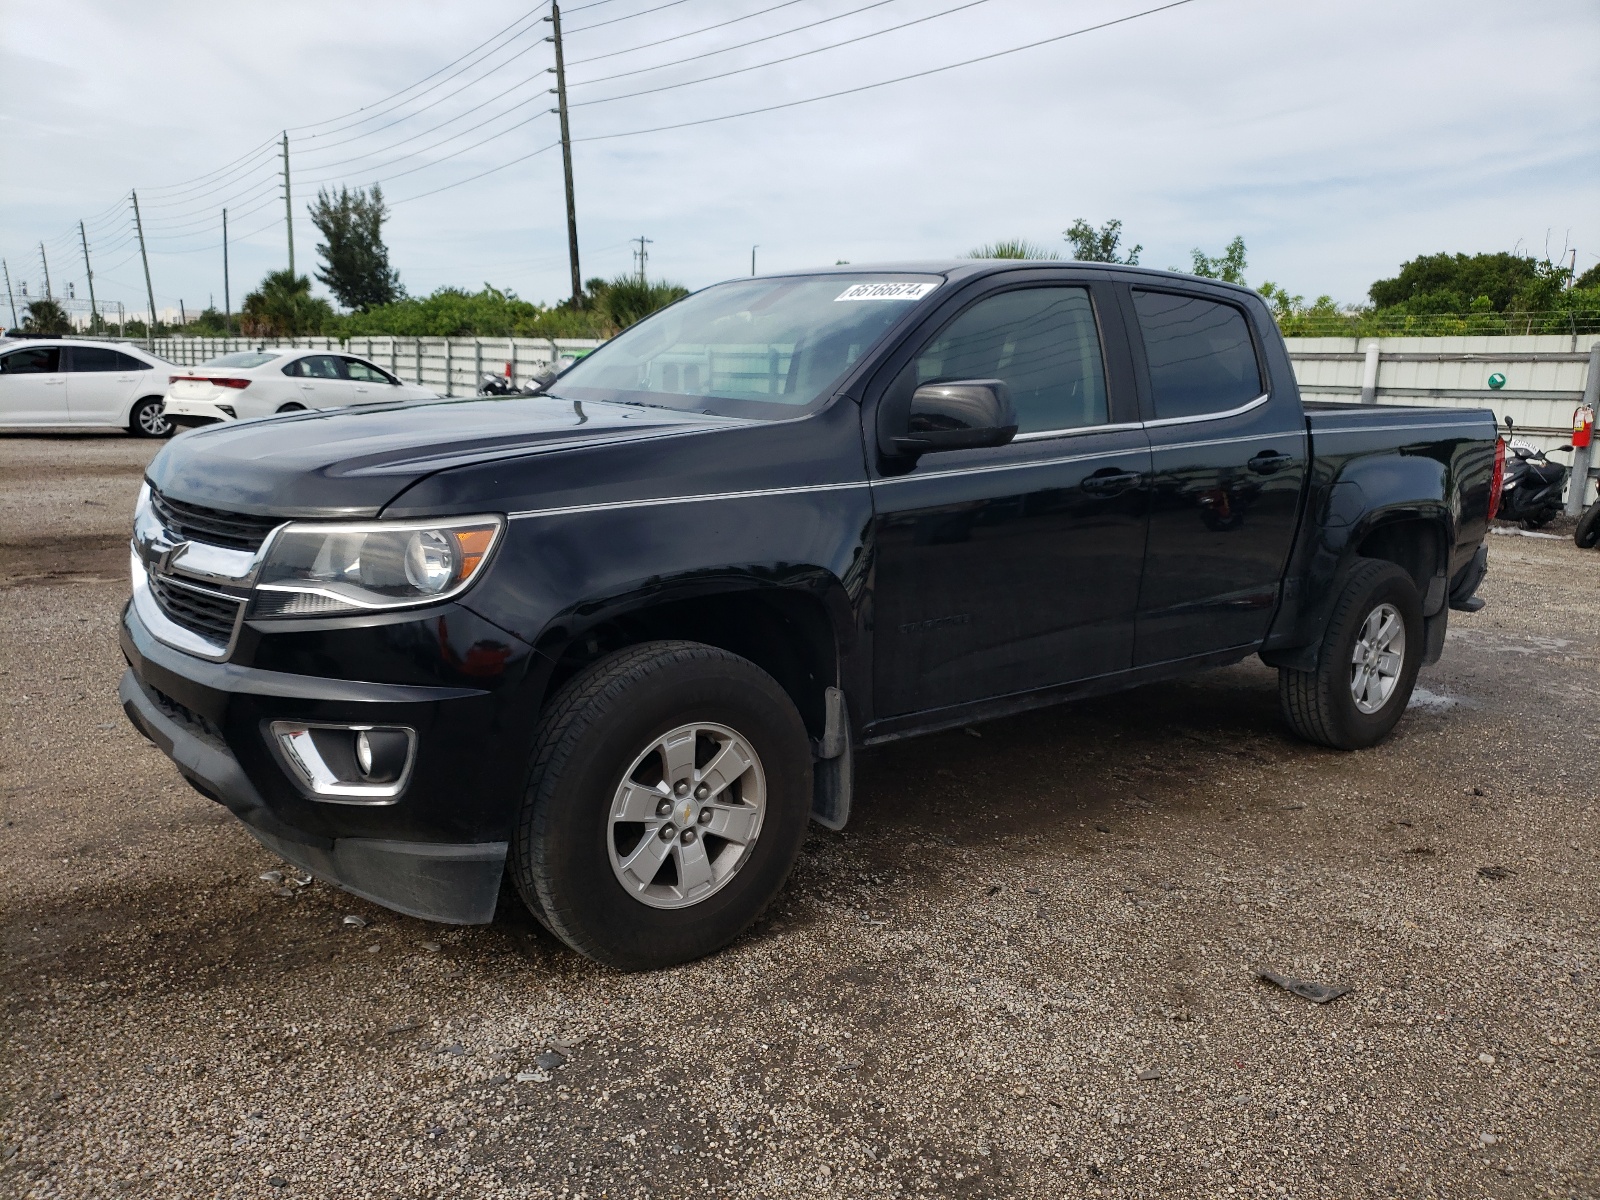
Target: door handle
{"points": [[1270, 461], [1110, 481]]}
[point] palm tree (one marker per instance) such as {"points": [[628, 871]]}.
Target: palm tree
{"points": [[283, 306], [46, 316], [1012, 248]]}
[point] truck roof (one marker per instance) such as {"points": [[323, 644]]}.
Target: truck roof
{"points": [[968, 268]]}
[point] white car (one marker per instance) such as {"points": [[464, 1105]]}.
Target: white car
{"points": [[61, 383], [258, 383]]}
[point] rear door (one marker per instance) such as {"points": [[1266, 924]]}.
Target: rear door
{"points": [[1228, 459], [101, 383], [1014, 568], [33, 387]]}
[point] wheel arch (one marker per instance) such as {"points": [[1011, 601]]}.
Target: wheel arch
{"points": [[796, 634]]}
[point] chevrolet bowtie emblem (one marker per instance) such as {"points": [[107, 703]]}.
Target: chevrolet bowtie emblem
{"points": [[166, 554]]}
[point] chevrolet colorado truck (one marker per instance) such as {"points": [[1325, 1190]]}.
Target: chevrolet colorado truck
{"points": [[621, 639]]}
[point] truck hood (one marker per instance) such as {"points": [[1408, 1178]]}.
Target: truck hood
{"points": [[351, 462]]}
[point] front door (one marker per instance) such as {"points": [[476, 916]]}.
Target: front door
{"points": [[323, 382], [1229, 461], [33, 388], [1004, 570]]}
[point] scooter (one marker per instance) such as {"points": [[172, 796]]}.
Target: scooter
{"points": [[1587, 534], [1531, 491]]}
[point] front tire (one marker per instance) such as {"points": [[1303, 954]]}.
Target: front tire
{"points": [[147, 420], [1368, 662], [668, 797], [1587, 534]]}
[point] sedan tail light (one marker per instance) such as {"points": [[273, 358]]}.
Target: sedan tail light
{"points": [[220, 381]]}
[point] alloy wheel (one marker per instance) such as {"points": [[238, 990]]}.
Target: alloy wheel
{"points": [[1377, 658]]}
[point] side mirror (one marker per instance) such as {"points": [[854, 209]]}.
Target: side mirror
{"points": [[963, 415], [1508, 423]]}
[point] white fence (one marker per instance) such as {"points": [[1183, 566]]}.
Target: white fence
{"points": [[450, 366]]}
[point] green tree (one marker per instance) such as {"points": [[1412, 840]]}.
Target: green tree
{"points": [[1449, 283], [1100, 245], [1589, 279], [355, 260], [1013, 248], [1227, 266], [628, 299], [209, 323], [283, 306], [46, 316]]}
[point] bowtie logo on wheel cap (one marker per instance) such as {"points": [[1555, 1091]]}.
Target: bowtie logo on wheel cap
{"points": [[685, 812]]}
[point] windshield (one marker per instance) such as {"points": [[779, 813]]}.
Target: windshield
{"points": [[762, 348], [244, 358]]}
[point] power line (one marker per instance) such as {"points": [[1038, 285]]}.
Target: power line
{"points": [[867, 87], [760, 12], [442, 158], [532, 12], [678, 62], [643, 12], [472, 178], [667, 87]]}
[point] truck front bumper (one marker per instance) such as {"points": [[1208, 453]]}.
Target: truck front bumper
{"points": [[425, 855]]}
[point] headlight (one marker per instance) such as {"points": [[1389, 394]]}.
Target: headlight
{"points": [[322, 569]]}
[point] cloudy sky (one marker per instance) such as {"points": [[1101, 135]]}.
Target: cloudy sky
{"points": [[1338, 138]]}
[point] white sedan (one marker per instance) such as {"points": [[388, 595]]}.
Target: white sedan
{"points": [[258, 383], [62, 383]]}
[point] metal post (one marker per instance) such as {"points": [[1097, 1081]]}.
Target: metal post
{"points": [[449, 368], [513, 364], [1369, 375], [477, 364], [10, 299], [227, 300], [644, 256], [1578, 489], [150, 292], [566, 152], [94, 312], [416, 346], [288, 204], [753, 250]]}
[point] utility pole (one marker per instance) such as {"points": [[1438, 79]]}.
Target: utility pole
{"points": [[753, 250], [643, 254], [227, 302], [94, 313], [48, 294], [150, 292], [183, 313], [12, 300], [566, 151], [288, 204]]}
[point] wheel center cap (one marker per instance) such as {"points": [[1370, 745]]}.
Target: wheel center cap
{"points": [[685, 813]]}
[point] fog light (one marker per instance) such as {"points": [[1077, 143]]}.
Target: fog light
{"points": [[347, 764], [228, 408]]}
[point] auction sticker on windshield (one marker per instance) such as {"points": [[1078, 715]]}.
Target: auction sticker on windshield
{"points": [[885, 291]]}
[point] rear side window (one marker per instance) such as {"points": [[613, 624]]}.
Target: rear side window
{"points": [[36, 360], [243, 358], [1042, 341], [103, 358], [1200, 354]]}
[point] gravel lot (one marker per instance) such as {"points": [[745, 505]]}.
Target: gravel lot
{"points": [[1025, 969]]}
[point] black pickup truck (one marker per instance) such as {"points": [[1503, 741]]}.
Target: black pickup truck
{"points": [[621, 639]]}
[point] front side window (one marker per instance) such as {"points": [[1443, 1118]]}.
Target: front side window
{"points": [[1042, 341], [365, 372], [761, 348], [36, 360], [1201, 357]]}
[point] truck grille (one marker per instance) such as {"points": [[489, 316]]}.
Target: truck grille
{"points": [[192, 523], [207, 613]]}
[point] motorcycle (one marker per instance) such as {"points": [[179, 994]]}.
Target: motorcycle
{"points": [[1587, 534], [1532, 486]]}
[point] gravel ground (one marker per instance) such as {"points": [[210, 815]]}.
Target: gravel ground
{"points": [[1024, 970]]}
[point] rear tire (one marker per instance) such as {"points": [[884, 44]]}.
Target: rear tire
{"points": [[605, 738], [1339, 704], [146, 419], [1587, 534], [292, 406]]}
